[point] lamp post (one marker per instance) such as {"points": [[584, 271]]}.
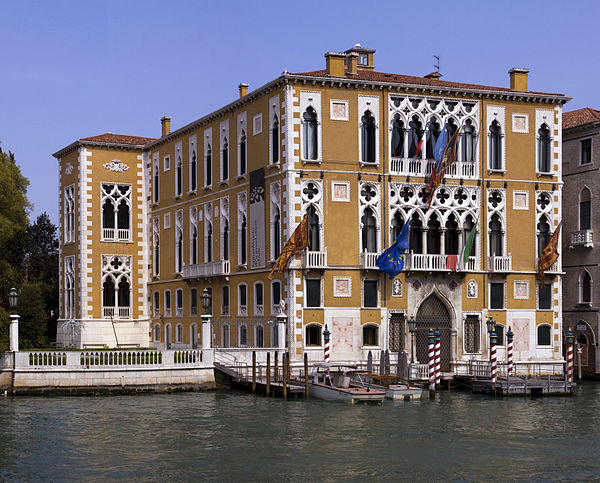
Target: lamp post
{"points": [[205, 300], [13, 301], [412, 327]]}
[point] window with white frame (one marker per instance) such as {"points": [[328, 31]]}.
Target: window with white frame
{"points": [[242, 299], [544, 335], [545, 296], [259, 299], [472, 334], [208, 233], [313, 335], [116, 286], [179, 302], [207, 158], [167, 303], [179, 334], [370, 335], [157, 333], [179, 241], [225, 335], [243, 335], [69, 208], [242, 144], [156, 246], [496, 128], [178, 171], [193, 235], [156, 178], [543, 234], [275, 215], [193, 302], [116, 212], [69, 288], [368, 115], [275, 296], [224, 133], [168, 336], [224, 226], [370, 293], [310, 129], [243, 230], [496, 295], [274, 130], [499, 329], [193, 164], [585, 209], [225, 300], [313, 292], [157, 304], [259, 336], [544, 149]]}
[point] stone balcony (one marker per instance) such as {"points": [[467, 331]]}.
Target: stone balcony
{"points": [[424, 167], [582, 238], [500, 264], [368, 260], [206, 270], [434, 263], [314, 260]]}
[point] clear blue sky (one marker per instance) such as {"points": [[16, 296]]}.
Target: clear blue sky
{"points": [[71, 69]]}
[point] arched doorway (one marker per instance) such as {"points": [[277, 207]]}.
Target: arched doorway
{"points": [[433, 314]]}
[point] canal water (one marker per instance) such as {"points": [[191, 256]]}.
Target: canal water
{"points": [[234, 436]]}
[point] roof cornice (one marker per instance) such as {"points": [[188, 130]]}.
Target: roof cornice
{"points": [[438, 90], [582, 127], [79, 143]]}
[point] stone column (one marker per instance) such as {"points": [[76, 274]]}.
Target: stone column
{"points": [[14, 333], [206, 331], [281, 330]]}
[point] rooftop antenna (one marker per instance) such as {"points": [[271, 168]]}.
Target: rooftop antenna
{"points": [[437, 64]]}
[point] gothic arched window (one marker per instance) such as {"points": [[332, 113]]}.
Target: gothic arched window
{"points": [[544, 149], [397, 138], [369, 231], [585, 209], [309, 134], [368, 132], [314, 235]]}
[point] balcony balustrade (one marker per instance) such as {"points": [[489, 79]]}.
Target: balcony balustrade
{"points": [[119, 312], [434, 262], [368, 260], [424, 167], [500, 264], [584, 238], [312, 260], [116, 234], [205, 270]]}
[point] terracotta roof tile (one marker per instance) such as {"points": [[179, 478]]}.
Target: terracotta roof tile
{"points": [[369, 75], [580, 117], [110, 138]]}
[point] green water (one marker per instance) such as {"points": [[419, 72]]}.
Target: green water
{"points": [[233, 436]]}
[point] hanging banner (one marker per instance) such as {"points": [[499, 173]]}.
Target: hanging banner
{"points": [[257, 219]]}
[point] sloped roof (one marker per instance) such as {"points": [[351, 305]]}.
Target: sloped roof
{"points": [[111, 138], [373, 76], [579, 117]]}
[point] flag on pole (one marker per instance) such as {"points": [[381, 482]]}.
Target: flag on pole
{"points": [[421, 142], [549, 255], [440, 147], [391, 261], [435, 179], [466, 253], [449, 156], [297, 242]]}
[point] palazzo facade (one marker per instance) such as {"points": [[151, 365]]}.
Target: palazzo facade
{"points": [[214, 202]]}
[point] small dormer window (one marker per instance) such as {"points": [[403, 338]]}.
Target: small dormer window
{"points": [[363, 59]]}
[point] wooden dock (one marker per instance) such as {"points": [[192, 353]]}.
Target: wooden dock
{"points": [[242, 380], [522, 386]]}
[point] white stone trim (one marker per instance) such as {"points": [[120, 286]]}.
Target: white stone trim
{"points": [[370, 103], [332, 102]]}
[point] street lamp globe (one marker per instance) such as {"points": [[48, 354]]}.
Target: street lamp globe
{"points": [[13, 299], [205, 300], [490, 324], [412, 324]]}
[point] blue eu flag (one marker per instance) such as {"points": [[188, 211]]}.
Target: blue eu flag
{"points": [[391, 261], [440, 147]]}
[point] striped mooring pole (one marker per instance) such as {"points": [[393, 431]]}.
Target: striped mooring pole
{"points": [[326, 335], [570, 339], [438, 365], [493, 339], [431, 339], [509, 341]]}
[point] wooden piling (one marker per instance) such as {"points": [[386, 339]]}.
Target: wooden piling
{"points": [[283, 357], [268, 373], [253, 372], [276, 367], [305, 375]]}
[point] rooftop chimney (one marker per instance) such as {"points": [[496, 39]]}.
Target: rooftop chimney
{"points": [[518, 79], [352, 63], [335, 64], [243, 87], [165, 122]]}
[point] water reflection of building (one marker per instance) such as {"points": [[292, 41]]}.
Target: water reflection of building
{"points": [[581, 159], [221, 195]]}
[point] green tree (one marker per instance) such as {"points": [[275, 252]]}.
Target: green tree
{"points": [[33, 319]]}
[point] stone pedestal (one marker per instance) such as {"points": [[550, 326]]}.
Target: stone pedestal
{"points": [[206, 332], [14, 333], [281, 330]]}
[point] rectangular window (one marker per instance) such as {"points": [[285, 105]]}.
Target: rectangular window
{"points": [[586, 151], [545, 296], [499, 329], [370, 293], [258, 293], [243, 299], [69, 204], [313, 293], [193, 301], [472, 334], [179, 301], [496, 295]]}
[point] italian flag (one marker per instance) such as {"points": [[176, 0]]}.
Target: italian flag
{"points": [[420, 145], [464, 256]]}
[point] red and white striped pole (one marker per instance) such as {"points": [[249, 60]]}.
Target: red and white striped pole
{"points": [[431, 338], [438, 373], [570, 339], [509, 341], [326, 335], [493, 338]]}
